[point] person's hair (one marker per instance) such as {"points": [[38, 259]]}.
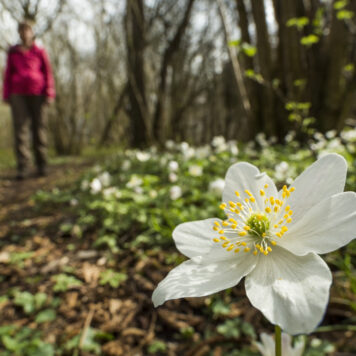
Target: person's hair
{"points": [[26, 23]]}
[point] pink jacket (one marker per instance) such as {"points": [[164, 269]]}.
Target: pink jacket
{"points": [[28, 73]]}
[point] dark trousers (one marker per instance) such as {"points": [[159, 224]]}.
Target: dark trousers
{"points": [[28, 113]]}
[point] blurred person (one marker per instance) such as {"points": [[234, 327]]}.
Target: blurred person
{"points": [[28, 87]]}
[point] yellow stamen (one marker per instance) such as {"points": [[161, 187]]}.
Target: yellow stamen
{"points": [[222, 206], [221, 231], [234, 226], [252, 199], [225, 223], [284, 229], [237, 250], [268, 209], [242, 233], [248, 193], [243, 243], [262, 192], [231, 247], [287, 208], [216, 240], [225, 244], [292, 189], [274, 243], [255, 252], [289, 220], [223, 238], [247, 249], [269, 249], [266, 186], [247, 228], [276, 209], [215, 228], [237, 193], [232, 204]]}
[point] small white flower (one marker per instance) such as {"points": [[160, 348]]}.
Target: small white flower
{"points": [[272, 239], [195, 170], [134, 182], [173, 166], [73, 202], [153, 194], [232, 146], [105, 179], [218, 141], [143, 156], [95, 186], [175, 192], [172, 177], [126, 165], [112, 192], [267, 346], [169, 144], [84, 185], [331, 134], [217, 186], [203, 152]]}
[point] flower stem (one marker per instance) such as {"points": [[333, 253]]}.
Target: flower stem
{"points": [[278, 340]]}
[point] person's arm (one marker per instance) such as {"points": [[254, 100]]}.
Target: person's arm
{"points": [[50, 91], [6, 90]]}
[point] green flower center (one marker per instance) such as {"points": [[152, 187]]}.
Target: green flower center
{"points": [[259, 224]]}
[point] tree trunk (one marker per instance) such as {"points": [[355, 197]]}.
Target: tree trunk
{"points": [[135, 43]]}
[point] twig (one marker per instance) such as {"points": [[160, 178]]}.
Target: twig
{"points": [[86, 327]]}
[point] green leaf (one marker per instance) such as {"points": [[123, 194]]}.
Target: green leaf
{"points": [[45, 316], [65, 282], [338, 5], [345, 15], [309, 40], [249, 50], [230, 328], [234, 43], [299, 22], [113, 278], [156, 346]]}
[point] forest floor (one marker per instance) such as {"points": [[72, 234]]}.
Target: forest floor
{"points": [[35, 253]]}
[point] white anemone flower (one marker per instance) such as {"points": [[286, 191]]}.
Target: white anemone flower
{"points": [[267, 345], [273, 239], [175, 192]]}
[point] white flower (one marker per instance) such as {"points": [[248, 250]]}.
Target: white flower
{"points": [[175, 192], [172, 177], [267, 346], [143, 156], [95, 186], [84, 185], [195, 170], [105, 179], [126, 165], [134, 182], [112, 192], [273, 239], [217, 186], [173, 166], [218, 141], [203, 152], [169, 144]]}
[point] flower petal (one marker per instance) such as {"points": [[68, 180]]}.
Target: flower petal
{"points": [[194, 279], [291, 291], [321, 180], [195, 238], [328, 226], [242, 176]]}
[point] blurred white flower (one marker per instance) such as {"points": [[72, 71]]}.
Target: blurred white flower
{"points": [[173, 166], [134, 182], [172, 177], [232, 147], [73, 202], [84, 185], [153, 194], [175, 192], [202, 152], [169, 144], [267, 345], [95, 186], [218, 141], [126, 165], [143, 156], [138, 190], [195, 170], [105, 179], [331, 134], [217, 186], [112, 192], [290, 136], [261, 139], [281, 171]]}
